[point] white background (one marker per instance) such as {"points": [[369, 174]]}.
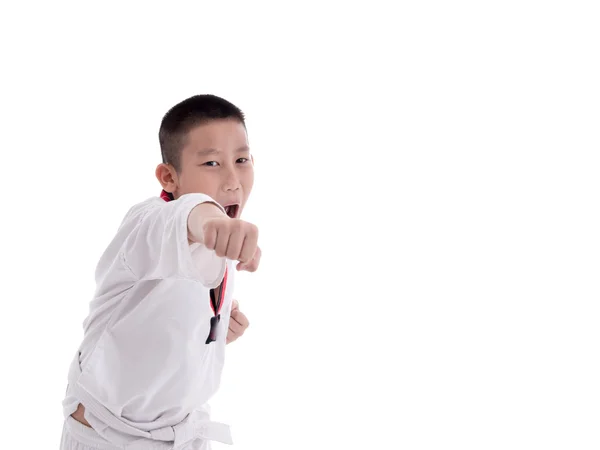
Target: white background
{"points": [[427, 190]]}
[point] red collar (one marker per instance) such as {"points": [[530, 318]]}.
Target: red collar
{"points": [[166, 196]]}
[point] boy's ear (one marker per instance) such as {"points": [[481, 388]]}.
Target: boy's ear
{"points": [[167, 177]]}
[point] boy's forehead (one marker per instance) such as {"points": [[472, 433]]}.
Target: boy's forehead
{"points": [[216, 134], [218, 130]]}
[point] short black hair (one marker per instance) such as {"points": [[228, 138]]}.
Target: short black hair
{"points": [[190, 113]]}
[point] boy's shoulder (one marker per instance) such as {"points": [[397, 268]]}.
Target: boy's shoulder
{"points": [[149, 203], [140, 209]]}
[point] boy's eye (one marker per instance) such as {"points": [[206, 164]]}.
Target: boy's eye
{"points": [[211, 163], [242, 160]]}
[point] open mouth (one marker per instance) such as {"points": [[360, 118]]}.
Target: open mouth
{"points": [[232, 211]]}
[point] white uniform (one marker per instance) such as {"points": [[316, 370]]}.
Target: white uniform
{"points": [[144, 371]]}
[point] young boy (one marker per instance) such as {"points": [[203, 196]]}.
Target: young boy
{"points": [[154, 341]]}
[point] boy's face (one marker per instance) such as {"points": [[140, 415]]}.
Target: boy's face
{"points": [[215, 161]]}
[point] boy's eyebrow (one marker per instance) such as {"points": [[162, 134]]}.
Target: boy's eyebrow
{"points": [[211, 151], [206, 151]]}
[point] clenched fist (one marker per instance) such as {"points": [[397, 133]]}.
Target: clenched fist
{"points": [[233, 239], [238, 323]]}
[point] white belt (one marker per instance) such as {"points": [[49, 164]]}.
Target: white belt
{"points": [[194, 426]]}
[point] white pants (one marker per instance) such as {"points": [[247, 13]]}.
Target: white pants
{"points": [[77, 436]]}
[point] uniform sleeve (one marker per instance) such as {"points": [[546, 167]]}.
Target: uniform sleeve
{"points": [[158, 248]]}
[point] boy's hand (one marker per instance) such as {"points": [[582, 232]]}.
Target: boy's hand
{"points": [[233, 239], [253, 264], [237, 323]]}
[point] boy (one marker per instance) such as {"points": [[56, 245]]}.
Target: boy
{"points": [[154, 341]]}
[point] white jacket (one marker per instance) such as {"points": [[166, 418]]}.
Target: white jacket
{"points": [[144, 372]]}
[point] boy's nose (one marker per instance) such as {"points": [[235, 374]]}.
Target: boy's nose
{"points": [[231, 182], [232, 187]]}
